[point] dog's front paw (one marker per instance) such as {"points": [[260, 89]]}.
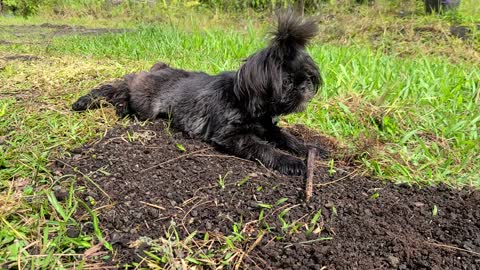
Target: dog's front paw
{"points": [[290, 165], [320, 152]]}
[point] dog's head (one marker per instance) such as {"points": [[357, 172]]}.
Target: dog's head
{"points": [[281, 78]]}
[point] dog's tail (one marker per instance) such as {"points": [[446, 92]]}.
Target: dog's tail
{"points": [[293, 30]]}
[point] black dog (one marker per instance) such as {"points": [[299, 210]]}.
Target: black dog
{"points": [[235, 111]]}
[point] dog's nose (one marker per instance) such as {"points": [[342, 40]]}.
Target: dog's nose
{"points": [[307, 86]]}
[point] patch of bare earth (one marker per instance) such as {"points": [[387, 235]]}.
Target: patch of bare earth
{"points": [[144, 183]]}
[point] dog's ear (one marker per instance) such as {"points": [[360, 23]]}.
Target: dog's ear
{"points": [[256, 79]]}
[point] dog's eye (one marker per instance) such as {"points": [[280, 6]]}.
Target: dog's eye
{"points": [[299, 79]]}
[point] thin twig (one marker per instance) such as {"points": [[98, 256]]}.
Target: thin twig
{"points": [[153, 205], [257, 241], [102, 207], [452, 247], [174, 159], [141, 263], [334, 181], [282, 208], [190, 210], [185, 203], [309, 241]]}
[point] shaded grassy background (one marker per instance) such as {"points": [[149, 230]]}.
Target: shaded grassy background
{"points": [[401, 96]]}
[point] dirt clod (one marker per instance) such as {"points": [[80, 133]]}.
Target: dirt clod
{"points": [[61, 193], [394, 261], [73, 232]]}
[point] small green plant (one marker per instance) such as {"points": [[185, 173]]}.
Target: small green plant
{"points": [[267, 227], [96, 226], [314, 221], [334, 211], [180, 147], [331, 167], [131, 136], [243, 181], [281, 201], [265, 205], [261, 215], [434, 210], [237, 233], [282, 220], [221, 180]]}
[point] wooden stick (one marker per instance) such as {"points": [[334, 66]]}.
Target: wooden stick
{"points": [[312, 153]]}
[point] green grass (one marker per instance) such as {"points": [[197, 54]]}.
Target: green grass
{"points": [[36, 125], [420, 115], [405, 109]]}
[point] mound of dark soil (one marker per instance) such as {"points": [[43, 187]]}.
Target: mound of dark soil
{"points": [[148, 179]]}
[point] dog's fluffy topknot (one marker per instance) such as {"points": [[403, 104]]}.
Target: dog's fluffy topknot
{"points": [[293, 29]]}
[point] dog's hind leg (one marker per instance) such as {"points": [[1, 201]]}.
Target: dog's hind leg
{"points": [[116, 94], [158, 66], [93, 100]]}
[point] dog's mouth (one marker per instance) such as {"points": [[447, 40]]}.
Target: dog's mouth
{"points": [[302, 105], [294, 101]]}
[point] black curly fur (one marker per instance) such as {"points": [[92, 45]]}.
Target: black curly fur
{"points": [[232, 110]]}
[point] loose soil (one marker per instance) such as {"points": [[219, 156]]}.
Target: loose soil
{"points": [[147, 179]]}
